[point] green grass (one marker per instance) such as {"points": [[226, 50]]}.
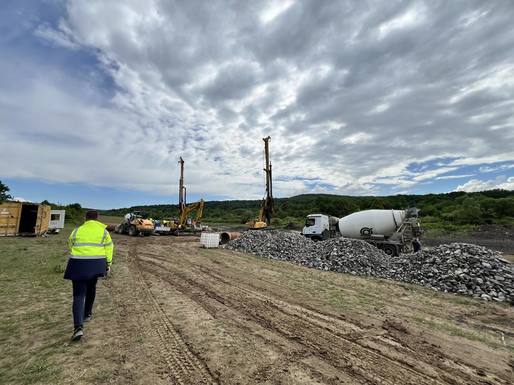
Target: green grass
{"points": [[453, 329], [33, 295], [110, 219], [103, 376], [35, 314], [36, 321], [39, 371]]}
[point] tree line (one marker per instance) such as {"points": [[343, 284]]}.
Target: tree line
{"points": [[448, 211], [74, 212]]}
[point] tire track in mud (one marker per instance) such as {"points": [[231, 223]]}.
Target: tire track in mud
{"points": [[260, 306], [212, 303], [185, 368], [430, 366], [396, 336], [407, 355], [348, 356]]}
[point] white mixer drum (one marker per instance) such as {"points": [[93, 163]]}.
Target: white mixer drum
{"points": [[362, 224]]}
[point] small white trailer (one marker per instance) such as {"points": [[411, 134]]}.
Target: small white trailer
{"points": [[56, 223]]}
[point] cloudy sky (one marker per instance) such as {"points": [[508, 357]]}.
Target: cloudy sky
{"points": [[99, 99]]}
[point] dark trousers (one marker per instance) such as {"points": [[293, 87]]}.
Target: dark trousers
{"points": [[84, 292]]}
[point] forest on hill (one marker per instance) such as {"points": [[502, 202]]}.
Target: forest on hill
{"points": [[449, 211]]}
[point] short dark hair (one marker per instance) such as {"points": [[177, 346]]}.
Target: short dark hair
{"points": [[91, 214]]}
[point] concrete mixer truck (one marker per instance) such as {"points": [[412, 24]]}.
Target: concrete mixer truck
{"points": [[393, 231]]}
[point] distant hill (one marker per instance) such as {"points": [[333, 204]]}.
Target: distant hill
{"points": [[449, 210]]}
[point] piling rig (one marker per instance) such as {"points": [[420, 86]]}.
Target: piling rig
{"points": [[266, 210], [183, 222]]}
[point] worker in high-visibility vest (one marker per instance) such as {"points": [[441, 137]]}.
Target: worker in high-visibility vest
{"points": [[91, 250]]}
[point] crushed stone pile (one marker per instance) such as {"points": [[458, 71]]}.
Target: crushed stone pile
{"points": [[458, 268], [353, 256], [455, 268], [281, 245]]}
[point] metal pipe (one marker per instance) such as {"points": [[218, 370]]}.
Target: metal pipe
{"points": [[226, 237]]}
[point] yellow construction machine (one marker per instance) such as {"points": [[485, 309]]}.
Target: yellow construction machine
{"points": [[184, 222], [260, 222], [264, 219], [135, 223]]}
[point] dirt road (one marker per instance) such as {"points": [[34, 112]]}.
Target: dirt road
{"points": [[220, 317]]}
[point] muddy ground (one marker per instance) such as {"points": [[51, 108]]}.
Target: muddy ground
{"points": [[197, 316], [499, 238]]}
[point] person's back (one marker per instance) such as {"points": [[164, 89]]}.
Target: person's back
{"points": [[91, 251]]}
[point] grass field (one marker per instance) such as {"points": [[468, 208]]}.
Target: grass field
{"points": [[107, 219], [36, 322]]}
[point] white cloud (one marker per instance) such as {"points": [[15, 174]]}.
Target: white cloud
{"points": [[61, 36], [19, 199], [358, 137], [502, 167], [487, 159], [274, 10], [208, 80], [407, 19], [444, 177], [433, 173], [475, 185]]}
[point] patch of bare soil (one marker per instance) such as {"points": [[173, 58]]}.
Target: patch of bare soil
{"points": [[216, 316], [496, 237]]}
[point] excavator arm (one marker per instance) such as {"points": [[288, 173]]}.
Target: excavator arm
{"points": [[197, 206], [199, 211]]}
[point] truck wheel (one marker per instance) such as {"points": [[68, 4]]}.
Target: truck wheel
{"points": [[132, 231], [390, 250]]}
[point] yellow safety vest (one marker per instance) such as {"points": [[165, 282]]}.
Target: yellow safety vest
{"points": [[91, 240]]}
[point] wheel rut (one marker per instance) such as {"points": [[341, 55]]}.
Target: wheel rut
{"points": [[327, 348], [311, 330], [184, 366]]}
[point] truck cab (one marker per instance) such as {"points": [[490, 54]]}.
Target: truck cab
{"points": [[319, 227]]}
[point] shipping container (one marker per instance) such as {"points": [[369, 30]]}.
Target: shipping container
{"points": [[23, 218]]}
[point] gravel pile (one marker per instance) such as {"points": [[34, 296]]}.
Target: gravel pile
{"points": [[281, 245], [352, 256], [457, 267]]}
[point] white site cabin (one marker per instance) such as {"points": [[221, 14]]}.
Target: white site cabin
{"points": [[56, 221]]}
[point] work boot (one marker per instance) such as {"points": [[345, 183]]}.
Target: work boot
{"points": [[77, 334], [88, 317]]}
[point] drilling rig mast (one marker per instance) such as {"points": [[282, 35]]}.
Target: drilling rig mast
{"points": [[184, 210], [266, 210], [181, 189], [267, 207]]}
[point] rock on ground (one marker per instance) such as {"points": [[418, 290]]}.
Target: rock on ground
{"points": [[461, 268]]}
